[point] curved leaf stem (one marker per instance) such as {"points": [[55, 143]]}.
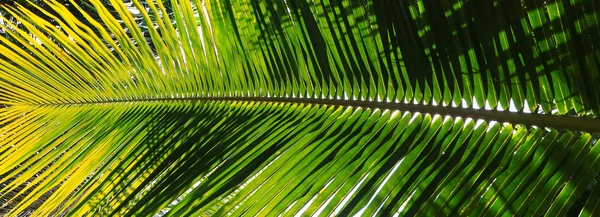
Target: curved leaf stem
{"points": [[591, 125]]}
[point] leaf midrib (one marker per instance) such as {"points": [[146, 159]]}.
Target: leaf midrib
{"points": [[590, 125]]}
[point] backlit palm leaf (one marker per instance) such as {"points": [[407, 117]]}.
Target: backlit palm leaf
{"points": [[335, 107]]}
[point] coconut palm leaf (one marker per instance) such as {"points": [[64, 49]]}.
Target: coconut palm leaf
{"points": [[295, 107]]}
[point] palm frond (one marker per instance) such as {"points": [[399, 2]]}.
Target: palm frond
{"points": [[326, 107]]}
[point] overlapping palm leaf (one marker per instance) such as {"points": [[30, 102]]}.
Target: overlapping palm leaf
{"points": [[336, 107]]}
